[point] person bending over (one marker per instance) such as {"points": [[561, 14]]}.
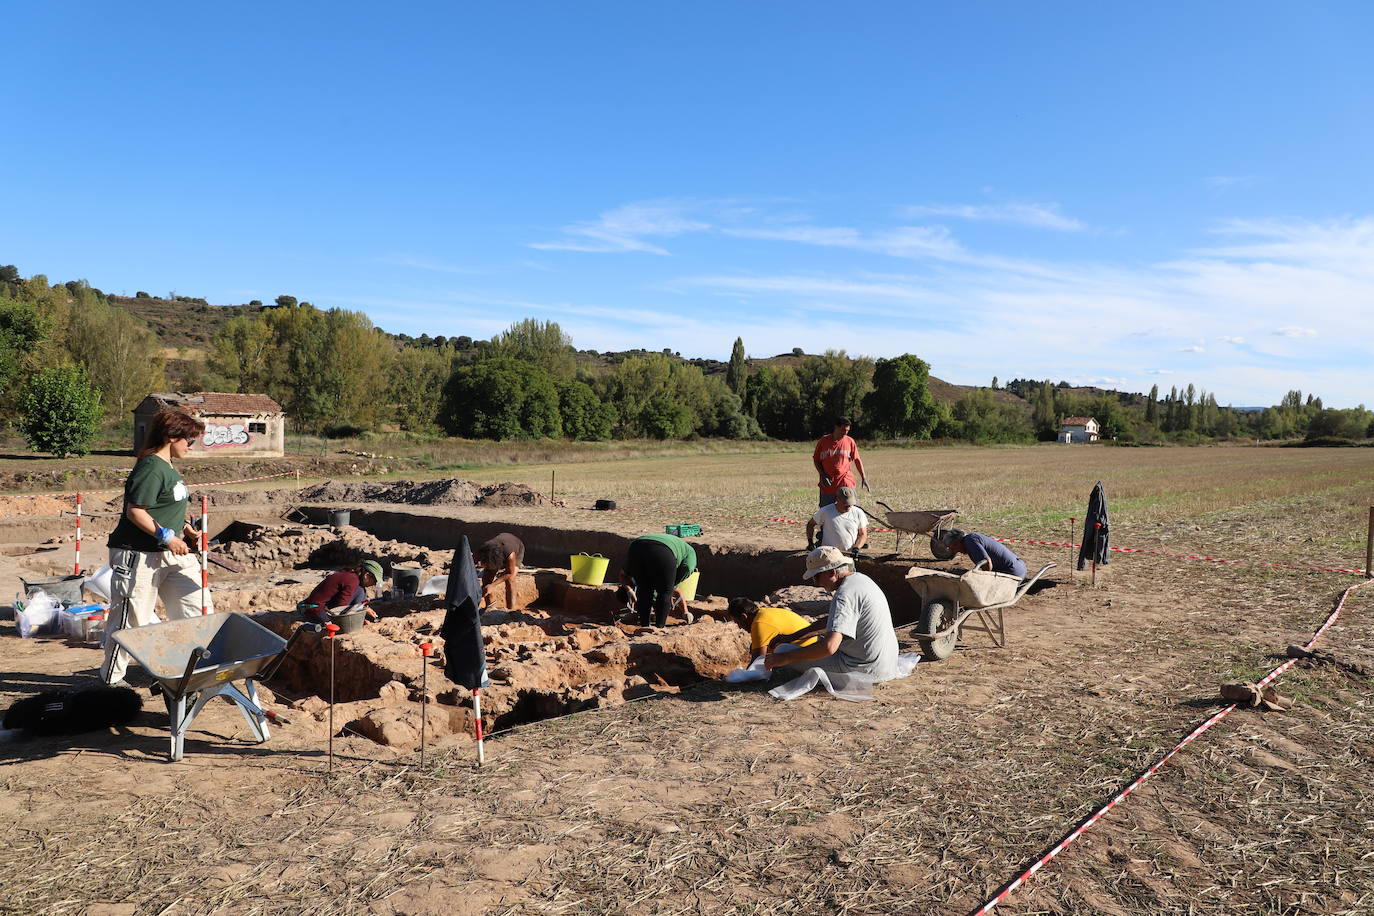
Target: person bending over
{"points": [[842, 524], [763, 624], [858, 636], [655, 565], [344, 588], [499, 559], [984, 551]]}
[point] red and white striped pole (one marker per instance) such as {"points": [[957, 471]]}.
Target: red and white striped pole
{"points": [[204, 555], [477, 725], [76, 570]]}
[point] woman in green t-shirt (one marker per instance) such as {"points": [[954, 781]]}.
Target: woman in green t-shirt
{"points": [[149, 553]]}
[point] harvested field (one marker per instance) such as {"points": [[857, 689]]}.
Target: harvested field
{"points": [[704, 798]]}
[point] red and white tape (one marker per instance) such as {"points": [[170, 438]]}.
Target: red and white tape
{"points": [[194, 486], [1194, 556], [1093, 818]]}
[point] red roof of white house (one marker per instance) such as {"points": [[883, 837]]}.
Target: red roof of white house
{"points": [[1078, 421], [217, 402]]}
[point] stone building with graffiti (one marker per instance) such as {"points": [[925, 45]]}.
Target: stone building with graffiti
{"points": [[251, 425]]}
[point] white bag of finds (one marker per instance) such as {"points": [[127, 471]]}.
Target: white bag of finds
{"points": [[39, 615]]}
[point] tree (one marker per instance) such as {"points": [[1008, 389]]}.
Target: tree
{"points": [[737, 372], [994, 383], [542, 343], [9, 273], [416, 375], [501, 398], [832, 385], [775, 401], [1152, 405], [979, 417], [22, 327], [240, 351], [121, 355], [585, 416], [657, 396], [900, 403], [59, 411], [286, 302]]}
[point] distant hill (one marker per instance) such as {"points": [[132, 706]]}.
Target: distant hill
{"points": [[183, 324]]}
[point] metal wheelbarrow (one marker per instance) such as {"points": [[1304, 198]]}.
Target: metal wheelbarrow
{"points": [[199, 658], [948, 600], [920, 523]]}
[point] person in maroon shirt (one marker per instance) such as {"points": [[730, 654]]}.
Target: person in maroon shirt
{"points": [[341, 589], [833, 457]]}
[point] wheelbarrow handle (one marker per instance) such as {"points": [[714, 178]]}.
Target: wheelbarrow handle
{"points": [[192, 662]]}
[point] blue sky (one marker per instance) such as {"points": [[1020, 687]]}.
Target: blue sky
{"points": [[1116, 194]]}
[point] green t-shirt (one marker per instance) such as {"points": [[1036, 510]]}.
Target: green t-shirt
{"points": [[682, 551], [156, 486]]}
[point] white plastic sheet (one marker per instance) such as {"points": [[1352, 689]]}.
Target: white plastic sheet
{"points": [[438, 585], [755, 672], [99, 584], [854, 687]]}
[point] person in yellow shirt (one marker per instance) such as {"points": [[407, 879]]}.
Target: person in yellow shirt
{"points": [[764, 624]]}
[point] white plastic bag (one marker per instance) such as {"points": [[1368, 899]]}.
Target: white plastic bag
{"points": [[435, 586], [99, 584], [39, 615]]}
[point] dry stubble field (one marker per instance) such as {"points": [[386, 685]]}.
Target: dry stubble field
{"points": [[923, 801]]}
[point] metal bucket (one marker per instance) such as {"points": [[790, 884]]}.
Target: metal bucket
{"points": [[349, 619], [66, 589], [406, 580], [339, 517]]}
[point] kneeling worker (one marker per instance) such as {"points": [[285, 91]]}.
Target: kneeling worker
{"points": [[984, 551], [498, 560], [655, 565], [858, 639], [843, 524], [764, 624], [344, 588]]}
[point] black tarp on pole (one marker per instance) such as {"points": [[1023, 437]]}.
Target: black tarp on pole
{"points": [[465, 657], [1095, 538]]}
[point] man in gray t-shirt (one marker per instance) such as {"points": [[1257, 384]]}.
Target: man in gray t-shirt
{"points": [[859, 636]]}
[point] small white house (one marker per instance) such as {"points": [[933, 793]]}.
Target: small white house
{"points": [[239, 425], [1079, 429]]}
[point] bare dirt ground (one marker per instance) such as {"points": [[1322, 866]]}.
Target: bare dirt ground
{"points": [[715, 799]]}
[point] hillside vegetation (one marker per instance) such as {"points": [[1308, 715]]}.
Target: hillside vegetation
{"points": [[336, 374]]}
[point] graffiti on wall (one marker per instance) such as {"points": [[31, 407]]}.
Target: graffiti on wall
{"points": [[217, 435]]}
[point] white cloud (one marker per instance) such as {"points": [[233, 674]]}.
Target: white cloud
{"points": [[1159, 372], [1039, 216], [1192, 349], [627, 228], [1295, 331], [1231, 340]]}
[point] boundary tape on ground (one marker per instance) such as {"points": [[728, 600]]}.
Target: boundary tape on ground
{"points": [[1097, 815], [193, 486]]}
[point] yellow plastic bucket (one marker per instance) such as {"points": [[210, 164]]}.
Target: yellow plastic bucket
{"points": [[588, 568], [688, 586]]}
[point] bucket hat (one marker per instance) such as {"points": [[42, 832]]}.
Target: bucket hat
{"points": [[824, 559]]}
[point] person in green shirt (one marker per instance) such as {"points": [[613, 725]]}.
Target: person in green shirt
{"points": [[150, 554], [655, 565]]}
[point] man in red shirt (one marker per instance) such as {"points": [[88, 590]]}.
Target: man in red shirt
{"points": [[833, 457]]}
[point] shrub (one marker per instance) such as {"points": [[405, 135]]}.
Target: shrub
{"points": [[59, 411]]}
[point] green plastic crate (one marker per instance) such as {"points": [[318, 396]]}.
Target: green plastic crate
{"points": [[683, 531]]}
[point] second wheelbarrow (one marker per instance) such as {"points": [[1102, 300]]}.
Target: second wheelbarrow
{"points": [[199, 658], [948, 600], [920, 523]]}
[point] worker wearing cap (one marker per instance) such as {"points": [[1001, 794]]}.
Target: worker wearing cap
{"points": [[344, 588], [858, 639], [984, 551], [843, 524], [834, 456]]}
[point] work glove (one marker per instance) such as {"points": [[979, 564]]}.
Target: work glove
{"points": [[810, 544]]}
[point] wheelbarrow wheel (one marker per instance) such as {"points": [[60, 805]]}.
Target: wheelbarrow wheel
{"points": [[937, 615], [938, 550]]}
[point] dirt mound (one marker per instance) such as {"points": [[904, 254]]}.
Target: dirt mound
{"points": [[11, 506], [804, 599], [510, 494], [451, 491]]}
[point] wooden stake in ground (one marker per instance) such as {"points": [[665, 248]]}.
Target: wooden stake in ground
{"points": [[76, 571], [1097, 531], [330, 629], [204, 555], [553, 482], [477, 725], [1072, 559], [424, 695], [1369, 547]]}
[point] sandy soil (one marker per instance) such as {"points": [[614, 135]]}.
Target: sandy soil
{"points": [[721, 800]]}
